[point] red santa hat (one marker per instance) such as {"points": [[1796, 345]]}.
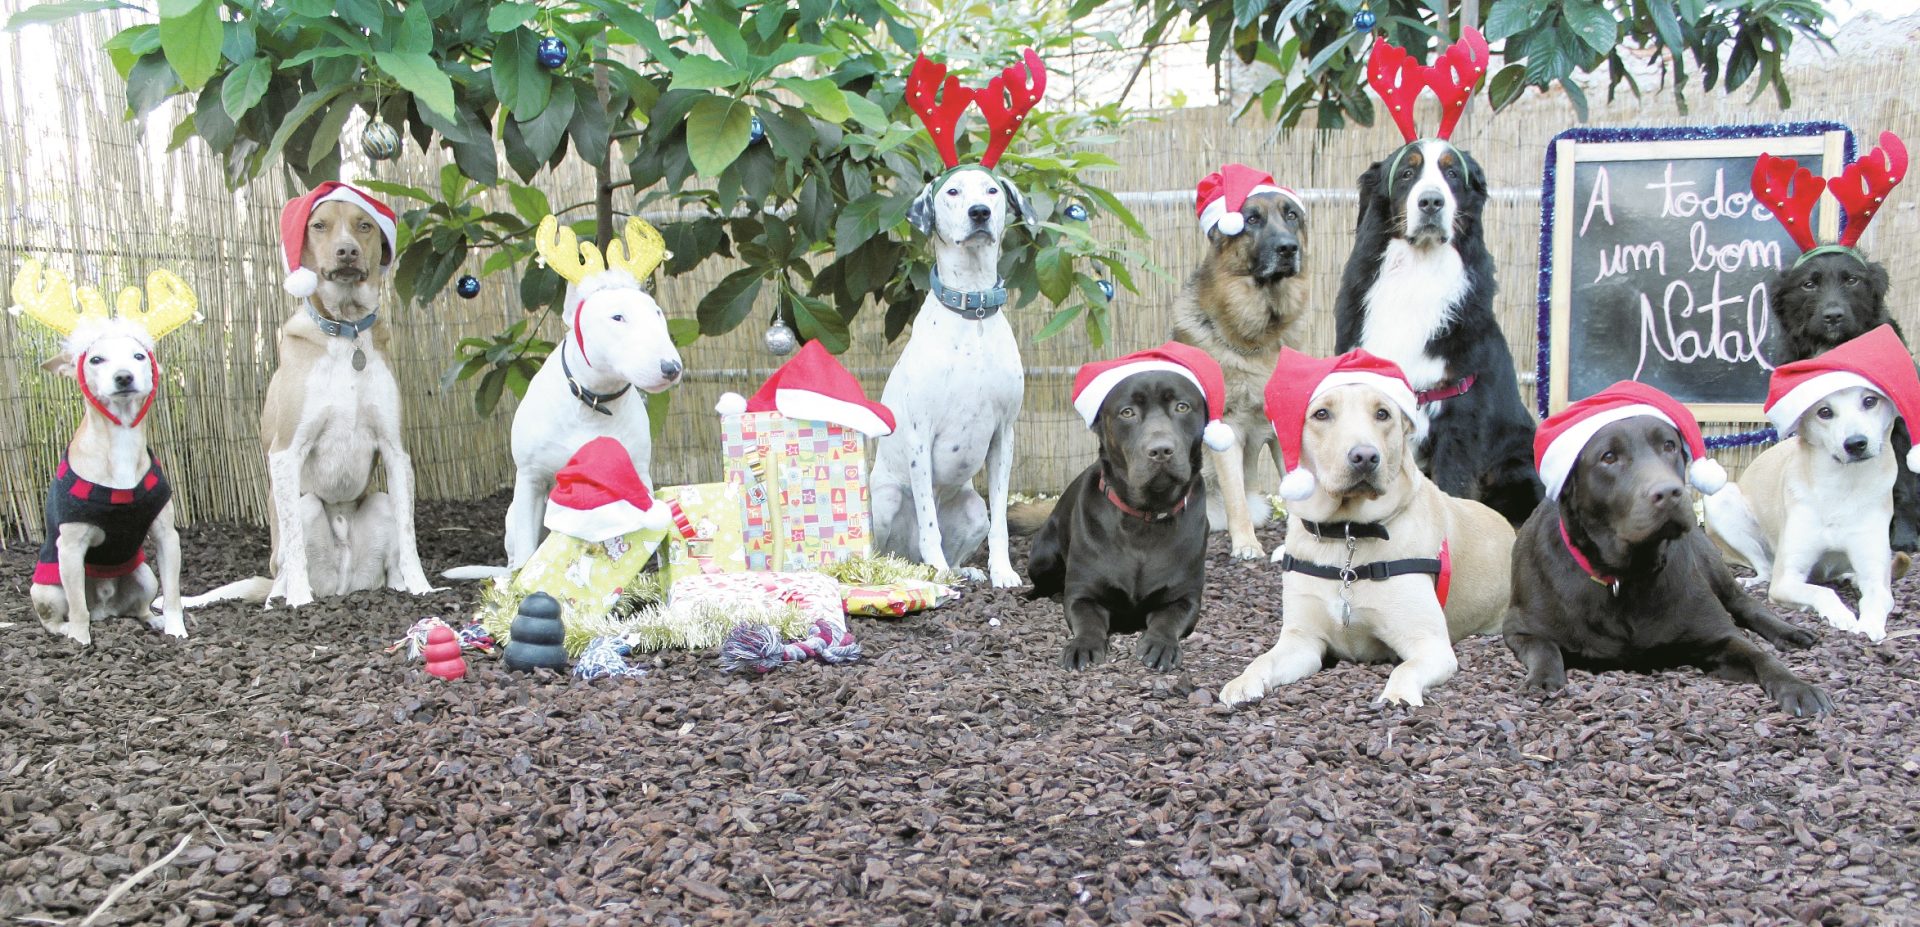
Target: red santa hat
{"points": [[1556, 446], [1222, 193], [814, 386], [598, 495], [1094, 381], [1877, 360], [302, 281], [1299, 379]]}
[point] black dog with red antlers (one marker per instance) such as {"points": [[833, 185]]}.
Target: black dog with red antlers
{"points": [[1418, 288], [1833, 294]]}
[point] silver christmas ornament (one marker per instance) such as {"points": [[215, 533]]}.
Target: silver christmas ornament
{"points": [[380, 141], [780, 339]]}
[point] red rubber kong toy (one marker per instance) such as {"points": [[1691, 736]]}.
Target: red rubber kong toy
{"points": [[443, 653]]}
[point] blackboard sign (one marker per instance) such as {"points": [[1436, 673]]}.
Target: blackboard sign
{"points": [[1659, 260]]}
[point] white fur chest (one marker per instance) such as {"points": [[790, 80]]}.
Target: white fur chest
{"points": [[344, 413], [1412, 300], [949, 358]]}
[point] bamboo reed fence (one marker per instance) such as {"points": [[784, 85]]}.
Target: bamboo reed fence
{"points": [[94, 193]]}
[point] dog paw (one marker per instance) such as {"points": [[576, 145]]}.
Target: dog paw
{"points": [[1795, 638], [1005, 576], [80, 633], [1750, 583], [1243, 689], [1841, 618], [971, 574], [1081, 654], [170, 625], [1398, 696], [1876, 631], [1545, 684], [1248, 550], [1157, 653], [1802, 700]]}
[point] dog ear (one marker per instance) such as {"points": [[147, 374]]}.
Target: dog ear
{"points": [[1021, 210], [1877, 282], [1370, 192], [60, 365], [920, 214], [1476, 178]]}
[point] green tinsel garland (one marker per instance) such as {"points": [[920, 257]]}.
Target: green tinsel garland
{"points": [[881, 570]]}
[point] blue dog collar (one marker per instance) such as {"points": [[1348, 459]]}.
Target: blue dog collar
{"points": [[969, 304], [347, 330]]}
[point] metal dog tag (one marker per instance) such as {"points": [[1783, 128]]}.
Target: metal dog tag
{"points": [[359, 359]]}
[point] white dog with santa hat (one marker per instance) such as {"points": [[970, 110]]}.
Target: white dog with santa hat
{"points": [[331, 406]]}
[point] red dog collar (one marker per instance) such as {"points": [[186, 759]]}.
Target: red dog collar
{"points": [[1586, 566], [1114, 498], [1445, 390]]}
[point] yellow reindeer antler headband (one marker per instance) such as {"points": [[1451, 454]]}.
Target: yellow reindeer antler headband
{"points": [[47, 296], [638, 253]]}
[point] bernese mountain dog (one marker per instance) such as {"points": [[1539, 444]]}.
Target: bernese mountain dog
{"points": [[1418, 290]]}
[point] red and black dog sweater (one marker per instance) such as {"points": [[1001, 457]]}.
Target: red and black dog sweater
{"points": [[124, 514]]}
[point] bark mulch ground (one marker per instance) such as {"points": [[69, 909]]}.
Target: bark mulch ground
{"points": [[956, 776]]}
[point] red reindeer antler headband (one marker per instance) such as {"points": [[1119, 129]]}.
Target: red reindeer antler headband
{"points": [[1791, 192], [1398, 80], [1005, 101]]}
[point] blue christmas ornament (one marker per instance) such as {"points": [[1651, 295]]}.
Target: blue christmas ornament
{"points": [[1363, 21], [1106, 287], [756, 131], [551, 53], [468, 287], [1076, 212]]}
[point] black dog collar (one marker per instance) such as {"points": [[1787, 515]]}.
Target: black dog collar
{"points": [[347, 330], [1375, 571], [973, 305], [592, 400], [1345, 530]]}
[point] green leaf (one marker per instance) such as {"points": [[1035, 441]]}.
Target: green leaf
{"points": [[591, 128], [658, 406], [541, 135], [365, 14], [326, 132], [1592, 23], [1058, 323], [190, 37], [1055, 270], [1576, 96], [1667, 26], [723, 33], [40, 14], [416, 31], [699, 72], [422, 77], [530, 202], [826, 98], [519, 82], [718, 129], [244, 86], [296, 117], [391, 189], [1506, 85], [817, 321], [487, 397], [867, 113], [683, 331], [504, 16], [729, 302], [1508, 18], [858, 222], [129, 44], [149, 83]]}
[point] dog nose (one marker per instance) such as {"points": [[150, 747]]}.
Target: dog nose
{"points": [[1431, 202], [1833, 315], [1289, 249], [979, 212], [347, 252], [1856, 446], [670, 368], [1160, 451], [124, 380], [1666, 494], [1364, 458]]}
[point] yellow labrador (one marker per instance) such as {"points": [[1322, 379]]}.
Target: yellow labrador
{"points": [[1372, 506]]}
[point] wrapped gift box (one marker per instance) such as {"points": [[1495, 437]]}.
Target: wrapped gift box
{"points": [[803, 490], [707, 531]]}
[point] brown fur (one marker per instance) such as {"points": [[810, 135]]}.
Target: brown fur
{"points": [[1243, 323]]}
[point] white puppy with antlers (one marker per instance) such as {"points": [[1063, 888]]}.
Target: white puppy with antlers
{"points": [[616, 343], [109, 495]]}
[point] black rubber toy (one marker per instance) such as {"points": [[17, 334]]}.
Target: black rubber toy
{"points": [[537, 637]]}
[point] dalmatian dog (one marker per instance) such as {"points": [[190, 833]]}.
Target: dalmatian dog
{"points": [[956, 389]]}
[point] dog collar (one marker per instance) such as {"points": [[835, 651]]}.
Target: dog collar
{"points": [[1445, 390], [1586, 566], [973, 305], [1126, 509], [80, 373], [347, 330], [1345, 530], [1440, 568], [592, 400]]}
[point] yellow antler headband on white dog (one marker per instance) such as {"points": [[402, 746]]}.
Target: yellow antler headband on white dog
{"points": [[48, 297], [638, 253]]}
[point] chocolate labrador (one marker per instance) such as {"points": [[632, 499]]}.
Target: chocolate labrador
{"points": [[1127, 542], [1653, 592]]}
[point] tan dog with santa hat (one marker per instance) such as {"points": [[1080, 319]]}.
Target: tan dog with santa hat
{"points": [[1380, 564], [1816, 506], [331, 407]]}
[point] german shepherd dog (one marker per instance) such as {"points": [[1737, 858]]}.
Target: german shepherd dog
{"points": [[1246, 301]]}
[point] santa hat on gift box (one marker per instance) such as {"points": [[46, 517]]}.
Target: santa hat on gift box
{"points": [[1221, 195], [1094, 381], [815, 387], [1299, 379], [302, 281], [1556, 446], [1876, 360], [598, 495]]}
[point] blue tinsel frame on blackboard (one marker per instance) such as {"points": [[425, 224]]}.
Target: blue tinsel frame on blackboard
{"points": [[1542, 375]]}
